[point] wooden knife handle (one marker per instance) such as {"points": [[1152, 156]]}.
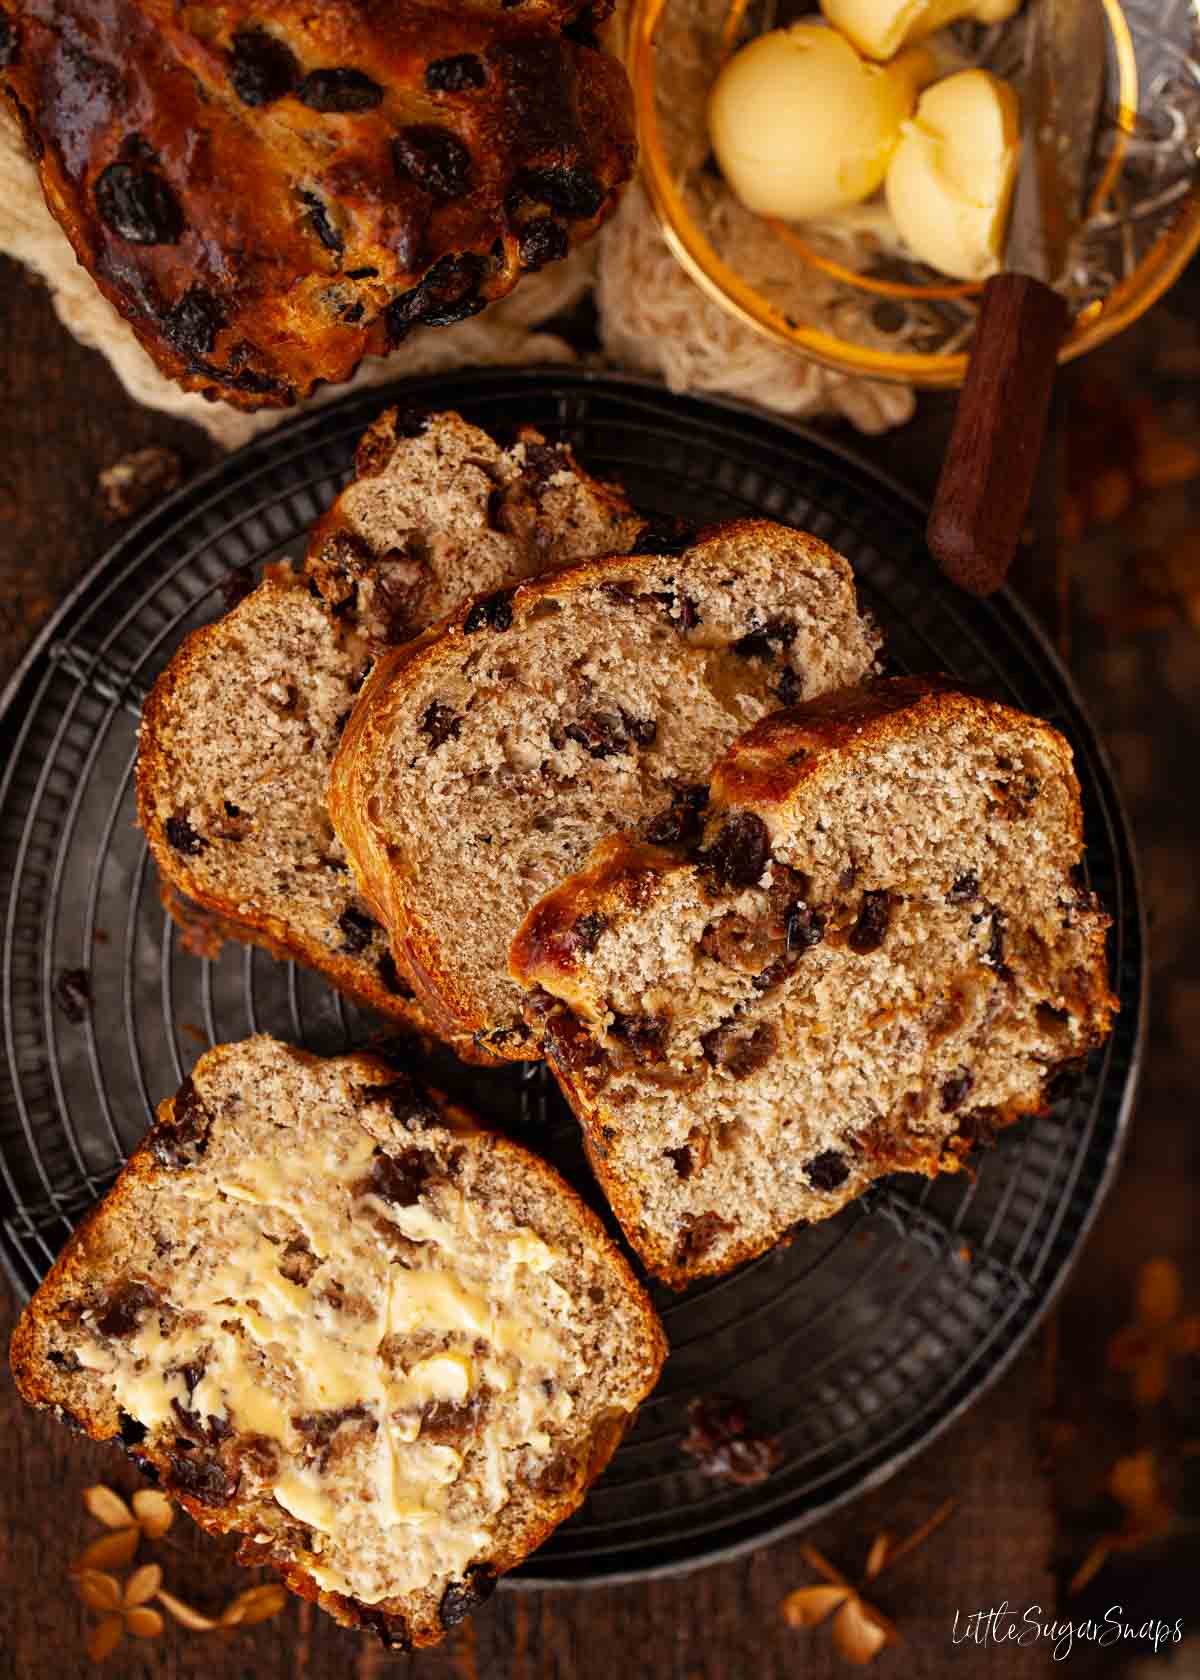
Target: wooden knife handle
{"points": [[987, 476]]}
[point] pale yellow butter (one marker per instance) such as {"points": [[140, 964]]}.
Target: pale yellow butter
{"points": [[879, 28], [308, 1504], [802, 126], [526, 1248], [950, 184], [270, 1350]]}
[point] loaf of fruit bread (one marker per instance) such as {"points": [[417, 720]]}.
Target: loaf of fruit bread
{"points": [[482, 762], [870, 953], [268, 192], [239, 732], [330, 1315]]}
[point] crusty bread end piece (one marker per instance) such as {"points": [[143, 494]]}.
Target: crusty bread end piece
{"points": [[239, 732], [873, 953], [388, 1349], [483, 761]]}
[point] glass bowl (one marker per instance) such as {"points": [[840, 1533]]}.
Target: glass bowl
{"points": [[840, 295]]}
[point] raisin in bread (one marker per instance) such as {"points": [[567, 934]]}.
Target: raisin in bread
{"points": [[481, 763], [873, 955], [388, 1349], [269, 192], [239, 732]]}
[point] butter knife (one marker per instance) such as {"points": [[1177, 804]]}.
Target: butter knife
{"points": [[987, 476]]}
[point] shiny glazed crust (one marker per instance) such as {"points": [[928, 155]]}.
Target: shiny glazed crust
{"points": [[88, 1256], [269, 192]]}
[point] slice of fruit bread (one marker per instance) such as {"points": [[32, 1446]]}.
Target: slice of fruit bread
{"points": [[872, 954], [331, 1315]]}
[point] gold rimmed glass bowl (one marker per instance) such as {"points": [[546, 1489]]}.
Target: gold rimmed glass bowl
{"points": [[842, 294]]}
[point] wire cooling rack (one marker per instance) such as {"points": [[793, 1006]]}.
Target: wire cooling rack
{"points": [[858, 1342]]}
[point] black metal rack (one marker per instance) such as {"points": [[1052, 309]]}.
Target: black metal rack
{"points": [[856, 1343]]}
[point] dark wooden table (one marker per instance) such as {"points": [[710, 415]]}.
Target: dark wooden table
{"points": [[65, 417]]}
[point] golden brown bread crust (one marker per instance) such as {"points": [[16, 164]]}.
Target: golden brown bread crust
{"points": [[41, 1382], [413, 948], [772, 762], [763, 768], [767, 770], [621, 874], [269, 192]]}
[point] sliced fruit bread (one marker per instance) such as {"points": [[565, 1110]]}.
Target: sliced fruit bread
{"points": [[873, 953]]}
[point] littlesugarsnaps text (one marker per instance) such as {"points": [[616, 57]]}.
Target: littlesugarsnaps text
{"points": [[1002, 1625]]}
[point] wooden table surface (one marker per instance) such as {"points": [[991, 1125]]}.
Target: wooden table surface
{"points": [[65, 417]]}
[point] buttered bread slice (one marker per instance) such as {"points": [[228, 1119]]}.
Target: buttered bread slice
{"points": [[331, 1315]]}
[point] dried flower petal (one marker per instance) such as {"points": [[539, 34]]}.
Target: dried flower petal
{"points": [[145, 1624], [1141, 1355], [808, 1606], [919, 1535], [860, 1632], [184, 1614], [1134, 1482], [154, 1511], [263, 1611], [110, 1551], [232, 1616], [1144, 1350], [1091, 1565], [105, 1638], [257, 1604], [242, 1599], [99, 1591], [143, 1584], [107, 1507], [818, 1561]]}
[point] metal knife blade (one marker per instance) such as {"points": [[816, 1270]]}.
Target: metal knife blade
{"points": [[1066, 46]]}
